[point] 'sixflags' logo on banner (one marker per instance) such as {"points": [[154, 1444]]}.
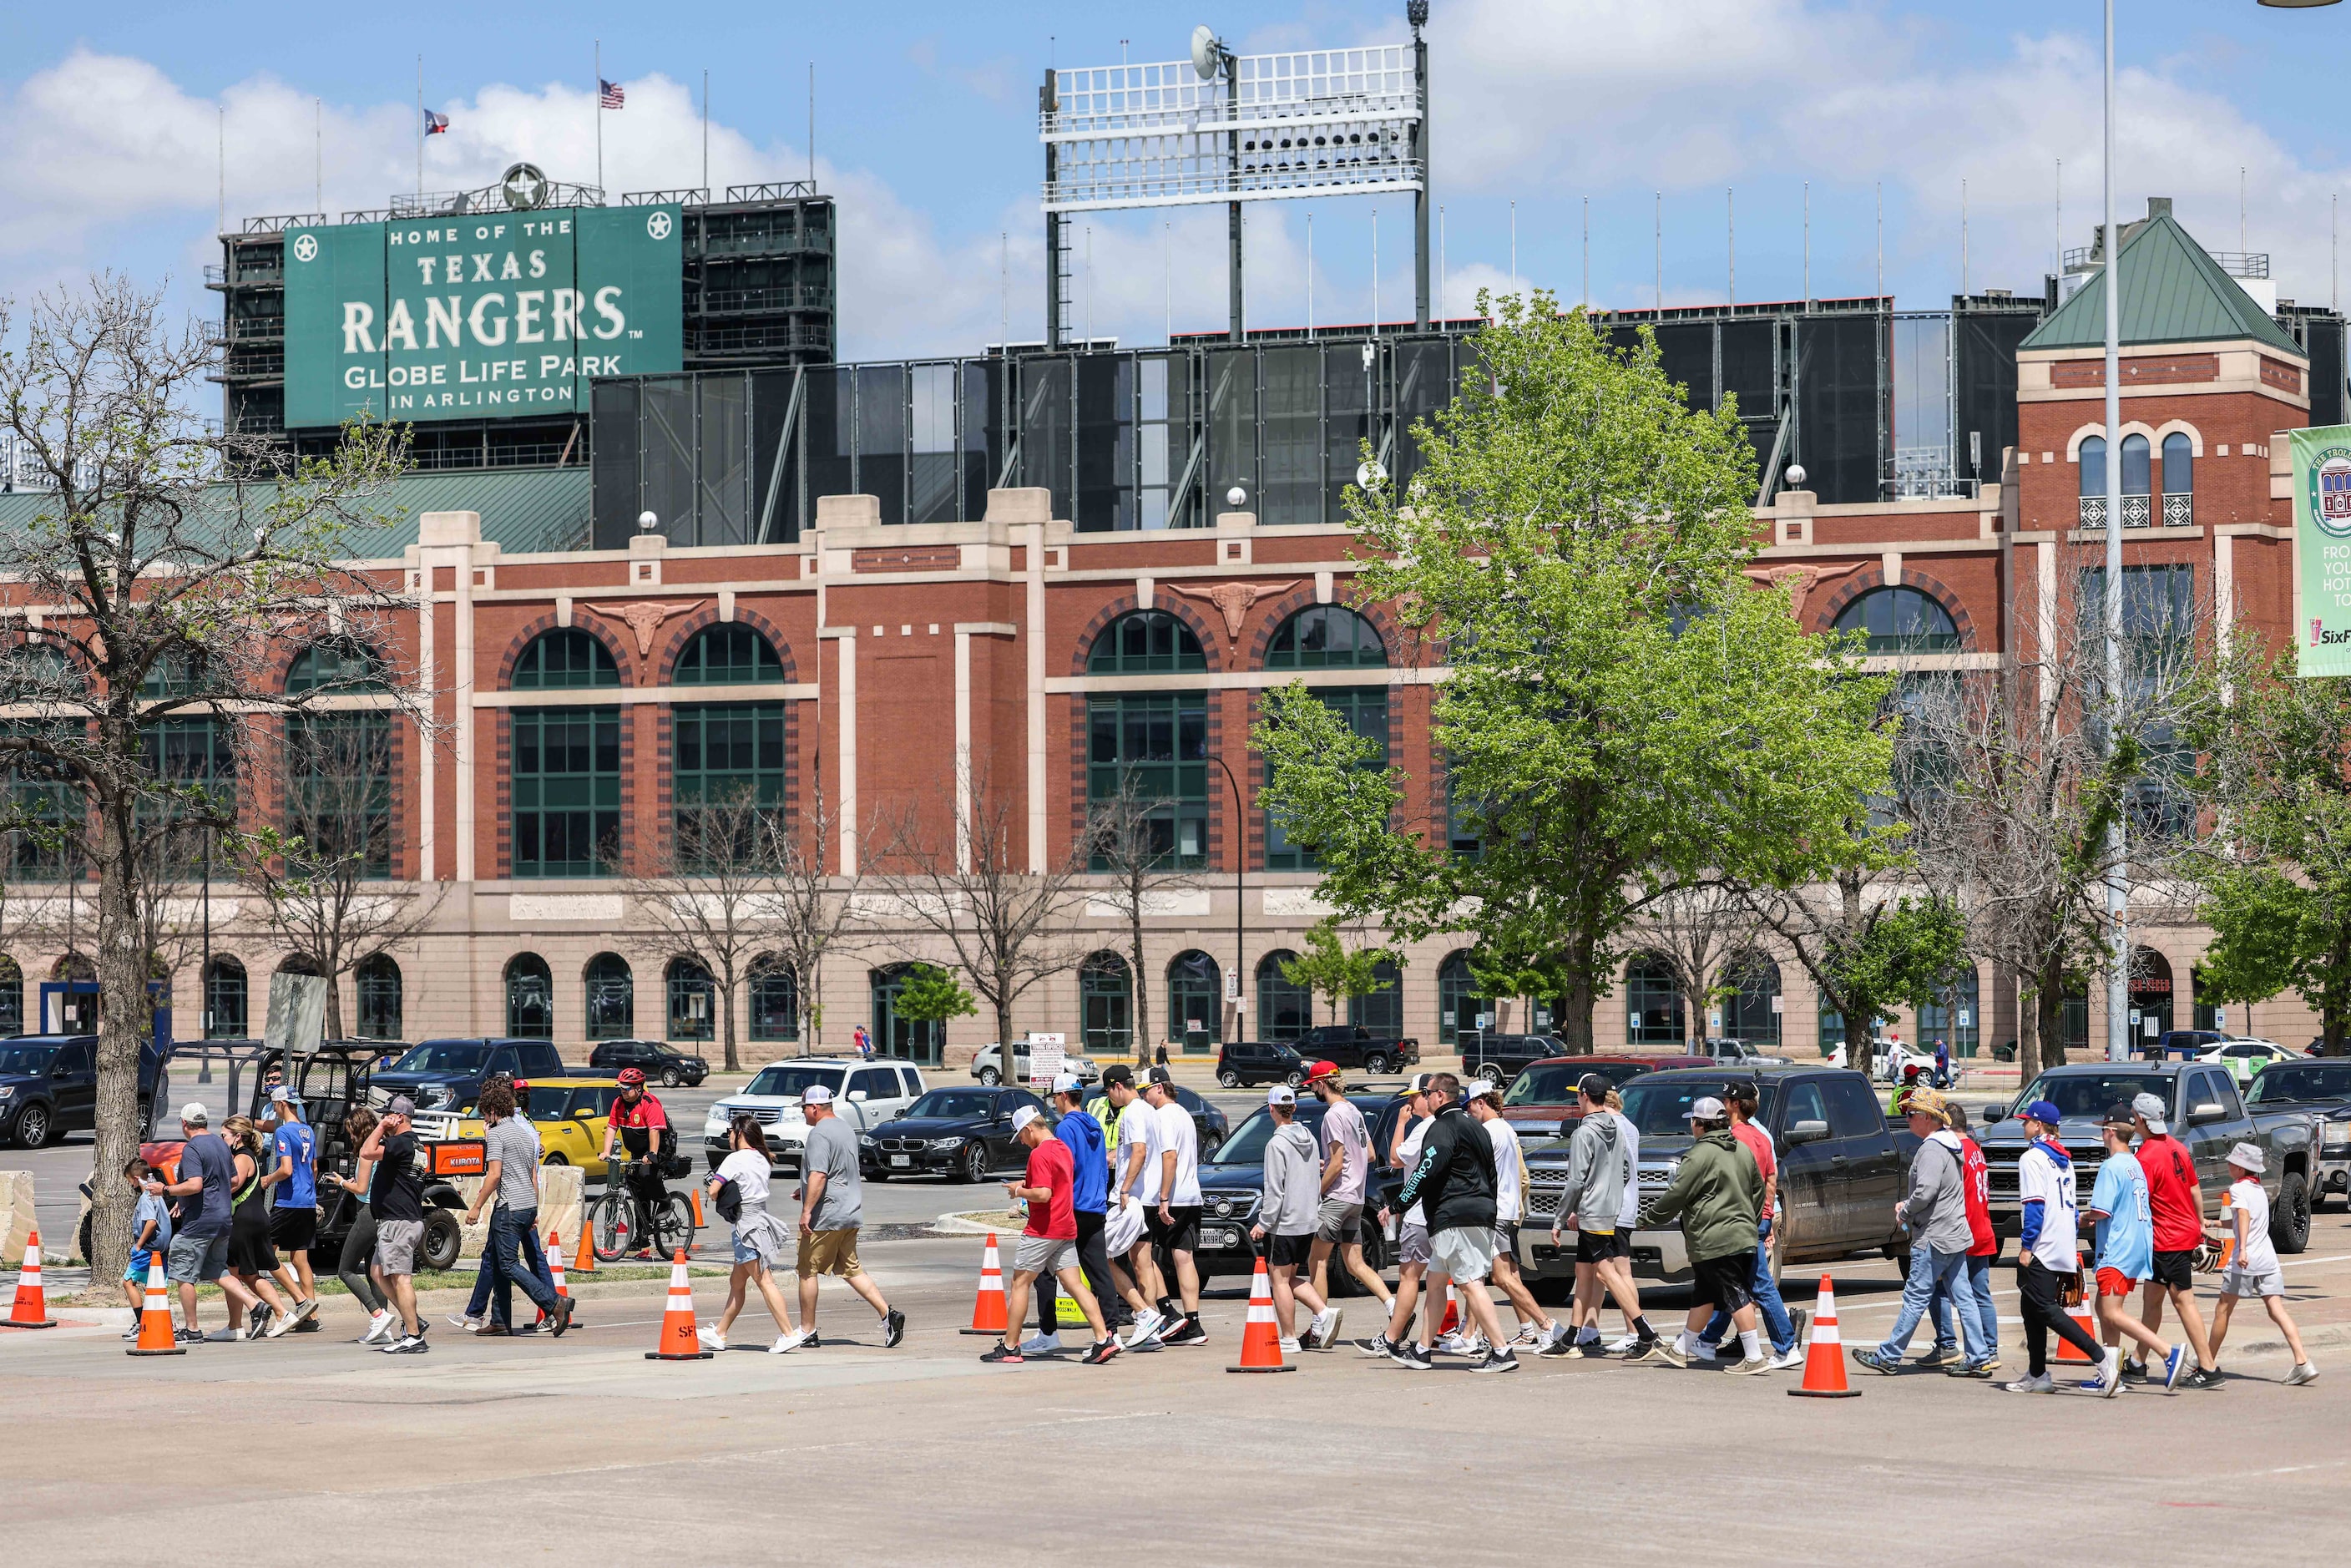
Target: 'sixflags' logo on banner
{"points": [[2322, 547]]}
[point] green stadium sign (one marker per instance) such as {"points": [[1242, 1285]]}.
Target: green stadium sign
{"points": [[478, 315]]}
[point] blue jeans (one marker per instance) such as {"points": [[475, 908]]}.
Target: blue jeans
{"points": [[512, 1231], [1768, 1305], [1931, 1271], [1986, 1317]]}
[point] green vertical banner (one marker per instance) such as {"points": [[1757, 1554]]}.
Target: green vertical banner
{"points": [[2322, 547], [334, 304], [634, 320]]}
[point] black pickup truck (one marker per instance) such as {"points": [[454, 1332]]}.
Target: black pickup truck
{"points": [[49, 1085], [1357, 1049]]}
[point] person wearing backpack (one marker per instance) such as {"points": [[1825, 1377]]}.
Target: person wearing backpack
{"points": [[1936, 1211], [738, 1191]]}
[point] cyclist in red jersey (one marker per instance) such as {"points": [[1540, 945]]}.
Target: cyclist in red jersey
{"points": [[636, 1124]]}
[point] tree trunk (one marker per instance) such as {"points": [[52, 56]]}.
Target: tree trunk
{"points": [[1694, 1029], [335, 1007], [122, 975], [2049, 1023], [1138, 1022], [727, 1028], [1573, 1025], [1007, 1051], [1860, 1044]]}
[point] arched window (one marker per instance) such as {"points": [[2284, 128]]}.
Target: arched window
{"points": [[1901, 621], [611, 996], [1753, 1008], [1653, 1003], [2179, 480], [1285, 1009], [176, 672], [1106, 1005], [693, 1000], [341, 665], [1381, 1008], [2094, 469], [727, 655], [530, 997], [12, 996], [565, 660], [1460, 1005], [920, 1041], [224, 1000], [1326, 637], [775, 999], [2136, 477], [2150, 996], [1196, 1000], [1145, 642], [1953, 1016], [380, 1014]]}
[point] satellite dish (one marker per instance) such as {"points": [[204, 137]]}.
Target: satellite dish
{"points": [[1795, 476], [1368, 475], [1206, 55]]}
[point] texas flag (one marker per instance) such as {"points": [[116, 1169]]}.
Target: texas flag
{"points": [[436, 124]]}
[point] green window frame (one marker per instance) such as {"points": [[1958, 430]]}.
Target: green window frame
{"points": [[727, 655], [567, 659], [611, 998], [45, 802], [775, 999], [1145, 642], [722, 753], [190, 755], [1158, 741], [342, 665], [338, 790], [379, 998], [1326, 637], [1901, 621], [566, 787], [1365, 709]]}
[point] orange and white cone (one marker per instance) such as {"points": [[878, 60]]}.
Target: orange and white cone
{"points": [[678, 1340], [31, 1309], [1261, 1340], [1824, 1354], [1452, 1313], [2087, 1321], [555, 1273], [585, 1263], [988, 1311], [155, 1335]]}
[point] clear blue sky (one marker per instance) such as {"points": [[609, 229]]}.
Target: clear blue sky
{"points": [[925, 129]]}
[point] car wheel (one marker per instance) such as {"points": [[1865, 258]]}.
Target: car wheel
{"points": [[973, 1166], [33, 1127], [1901, 1257], [1230, 1079], [556, 1159], [1377, 1065], [990, 1077], [671, 1078], [1297, 1080], [2290, 1229], [441, 1239]]}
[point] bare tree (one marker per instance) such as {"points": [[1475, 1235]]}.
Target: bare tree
{"points": [[1134, 838], [1008, 928], [166, 576], [322, 883], [714, 900], [806, 910], [1697, 928]]}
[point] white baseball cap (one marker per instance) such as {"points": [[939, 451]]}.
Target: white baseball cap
{"points": [[194, 1110], [1023, 1117], [1281, 1095], [279, 1092], [1707, 1109], [1067, 1083], [816, 1094]]}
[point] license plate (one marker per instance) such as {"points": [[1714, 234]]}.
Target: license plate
{"points": [[901, 1162], [1224, 1238]]}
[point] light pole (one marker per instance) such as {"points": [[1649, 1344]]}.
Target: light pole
{"points": [[2118, 877], [1240, 863]]}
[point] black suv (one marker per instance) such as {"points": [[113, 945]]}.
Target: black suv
{"points": [[1246, 1063], [49, 1085], [1232, 1178], [660, 1062], [447, 1074], [1506, 1054]]}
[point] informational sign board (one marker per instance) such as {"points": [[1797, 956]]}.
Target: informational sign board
{"points": [[298, 1014], [478, 315], [1047, 1053], [2322, 549]]}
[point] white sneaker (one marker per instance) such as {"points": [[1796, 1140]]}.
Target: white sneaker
{"points": [[465, 1320], [1792, 1361], [1289, 1346], [2043, 1384], [378, 1324], [1146, 1323], [1327, 1324], [787, 1342], [1459, 1343], [710, 1337], [1041, 1344], [2303, 1371], [1622, 1345], [2110, 1377], [1527, 1334], [279, 1324], [1559, 1331]]}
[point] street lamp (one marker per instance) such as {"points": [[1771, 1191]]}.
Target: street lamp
{"points": [[2117, 881], [1240, 862]]}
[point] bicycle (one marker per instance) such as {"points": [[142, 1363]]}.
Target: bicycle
{"points": [[612, 1217]]}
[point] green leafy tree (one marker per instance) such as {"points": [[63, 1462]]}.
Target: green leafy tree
{"points": [[1625, 712], [933, 995], [1330, 970]]}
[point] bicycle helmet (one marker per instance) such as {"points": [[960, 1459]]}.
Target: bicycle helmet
{"points": [[632, 1078]]}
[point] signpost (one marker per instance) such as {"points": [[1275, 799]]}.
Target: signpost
{"points": [[2322, 549], [1046, 1055]]}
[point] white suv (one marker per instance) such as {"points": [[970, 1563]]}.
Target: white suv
{"points": [[988, 1064], [865, 1093]]}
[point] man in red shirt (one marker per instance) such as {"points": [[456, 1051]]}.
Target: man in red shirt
{"points": [[1975, 1177], [2176, 1200], [1049, 1243]]}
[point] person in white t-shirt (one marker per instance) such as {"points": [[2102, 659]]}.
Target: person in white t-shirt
{"points": [[1536, 1327], [1133, 1193], [2254, 1268], [1409, 1230], [761, 1240], [1174, 1213]]}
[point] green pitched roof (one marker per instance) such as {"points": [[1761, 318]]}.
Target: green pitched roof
{"points": [[524, 510], [2173, 292]]}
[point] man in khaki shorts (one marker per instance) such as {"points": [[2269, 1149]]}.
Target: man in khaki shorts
{"points": [[832, 1200]]}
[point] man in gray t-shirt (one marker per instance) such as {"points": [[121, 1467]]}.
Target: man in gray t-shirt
{"points": [[831, 1203], [510, 1181]]}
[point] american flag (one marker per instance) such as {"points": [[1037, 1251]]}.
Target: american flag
{"points": [[436, 124], [610, 96]]}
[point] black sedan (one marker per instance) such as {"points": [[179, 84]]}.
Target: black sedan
{"points": [[1232, 1179], [661, 1063], [964, 1134]]}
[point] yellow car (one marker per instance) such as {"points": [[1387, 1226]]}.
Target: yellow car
{"points": [[570, 1114]]}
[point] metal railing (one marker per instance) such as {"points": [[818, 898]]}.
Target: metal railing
{"points": [[781, 296], [689, 196], [280, 222], [2180, 511], [2138, 511]]}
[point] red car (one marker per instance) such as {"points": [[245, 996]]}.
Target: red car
{"points": [[1541, 1100]]}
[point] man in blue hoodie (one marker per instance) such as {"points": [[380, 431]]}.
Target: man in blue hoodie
{"points": [[2051, 1252], [1088, 1201]]}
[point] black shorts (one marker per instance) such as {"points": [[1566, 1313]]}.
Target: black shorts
{"points": [[1180, 1232], [293, 1229], [249, 1252], [1597, 1247], [1724, 1281], [2174, 1270], [1289, 1252]]}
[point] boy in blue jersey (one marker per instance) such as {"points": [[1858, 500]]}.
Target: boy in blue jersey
{"points": [[2126, 1233]]}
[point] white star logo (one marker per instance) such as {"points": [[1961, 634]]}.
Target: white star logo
{"points": [[657, 225], [306, 247]]}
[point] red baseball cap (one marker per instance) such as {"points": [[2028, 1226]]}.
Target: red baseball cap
{"points": [[1322, 1070]]}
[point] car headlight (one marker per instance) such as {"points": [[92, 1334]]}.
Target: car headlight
{"points": [[947, 1142], [714, 1127], [865, 1140], [6, 1090]]}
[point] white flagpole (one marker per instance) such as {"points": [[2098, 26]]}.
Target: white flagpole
{"points": [[599, 115]]}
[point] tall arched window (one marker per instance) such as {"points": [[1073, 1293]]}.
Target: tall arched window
{"points": [[775, 999], [731, 654], [1285, 1009], [2179, 480], [1460, 1005], [225, 992], [566, 763], [611, 996], [1653, 1003], [2137, 474], [12, 996], [1195, 1002], [1901, 621], [380, 1010], [530, 997], [920, 1041], [727, 760], [693, 1000], [1326, 637], [1106, 1005], [340, 664], [565, 659], [1381, 1008], [1754, 1007], [1953, 1016], [1145, 642], [2094, 467]]}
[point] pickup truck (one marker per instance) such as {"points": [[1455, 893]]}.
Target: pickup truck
{"points": [[48, 1086], [2323, 1088], [2205, 1113], [1357, 1049], [1841, 1169]]}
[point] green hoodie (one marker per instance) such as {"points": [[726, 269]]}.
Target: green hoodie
{"points": [[1718, 1195]]}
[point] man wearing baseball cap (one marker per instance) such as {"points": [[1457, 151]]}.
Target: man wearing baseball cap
{"points": [[1346, 1144], [1286, 1213], [1049, 1243], [1088, 1197], [2176, 1199], [2049, 1254], [1717, 1194], [2126, 1233], [832, 1207]]}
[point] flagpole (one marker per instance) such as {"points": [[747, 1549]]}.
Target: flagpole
{"points": [[419, 128], [600, 114], [705, 136]]}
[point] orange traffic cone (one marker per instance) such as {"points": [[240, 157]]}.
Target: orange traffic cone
{"points": [[1261, 1340], [2087, 1321], [1452, 1313], [1824, 1355], [155, 1335], [31, 1311], [988, 1311], [585, 1263], [555, 1273], [695, 1194], [678, 1340]]}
